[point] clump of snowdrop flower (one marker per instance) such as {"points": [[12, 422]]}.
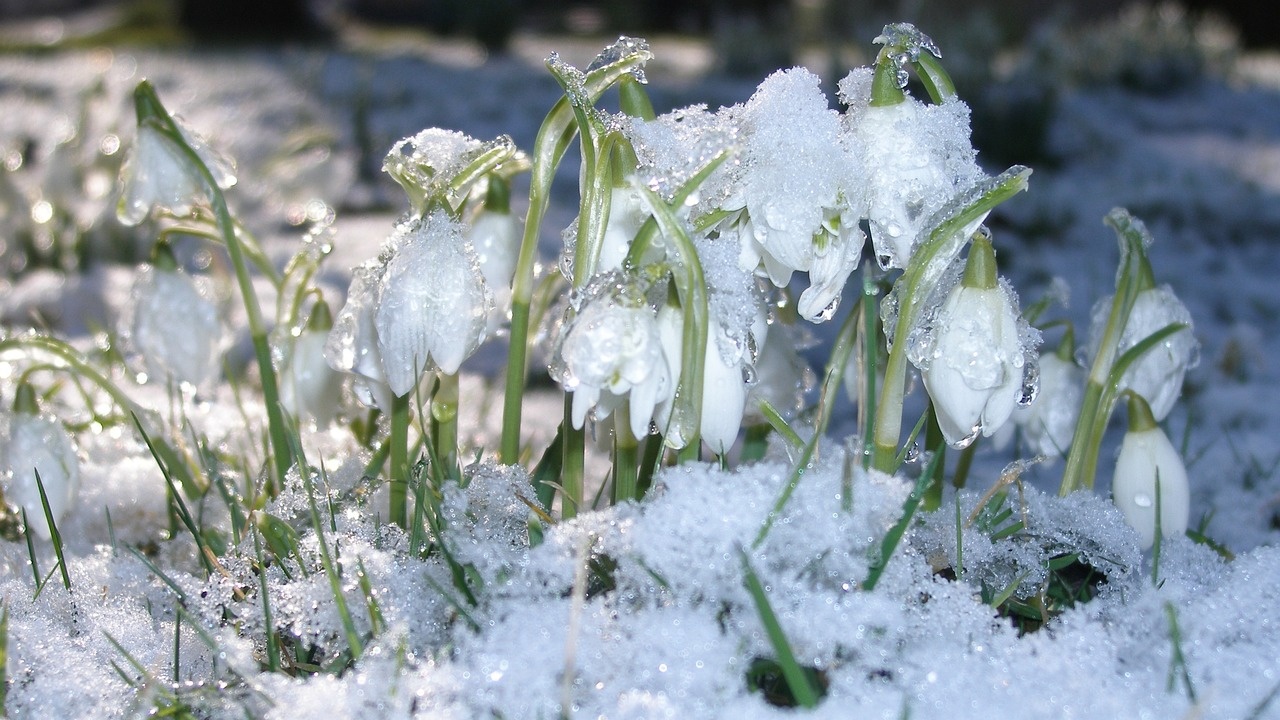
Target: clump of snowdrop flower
{"points": [[975, 366], [39, 444], [1150, 473]]}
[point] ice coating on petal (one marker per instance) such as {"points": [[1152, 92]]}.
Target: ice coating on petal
{"points": [[38, 444], [609, 349], [432, 302], [157, 173], [1157, 376], [172, 329], [975, 374], [352, 344], [918, 157]]}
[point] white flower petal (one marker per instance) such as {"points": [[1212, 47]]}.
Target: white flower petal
{"points": [[1146, 456]]}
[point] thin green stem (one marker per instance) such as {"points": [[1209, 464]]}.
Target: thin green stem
{"points": [[572, 466], [444, 422], [626, 457], [398, 473]]}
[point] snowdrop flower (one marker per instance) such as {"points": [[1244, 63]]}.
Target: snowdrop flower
{"points": [[1157, 375], [1049, 423], [918, 157], [495, 236], [1147, 458], [352, 345], [39, 444], [609, 350], [802, 201], [727, 369], [433, 305], [158, 173], [309, 388], [974, 373], [171, 326]]}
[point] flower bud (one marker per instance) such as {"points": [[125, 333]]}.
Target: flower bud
{"points": [[309, 388], [39, 445], [975, 371], [1147, 458]]}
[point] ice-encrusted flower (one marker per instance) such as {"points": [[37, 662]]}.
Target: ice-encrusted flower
{"points": [[728, 368], [421, 306], [610, 350], [1157, 375], [801, 190], [39, 444], [495, 237], [976, 361], [309, 388], [158, 173], [918, 157], [1049, 423], [1147, 458], [352, 344], [171, 326]]}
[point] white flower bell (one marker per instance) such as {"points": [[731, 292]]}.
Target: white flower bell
{"points": [[1158, 374], [171, 326], [352, 344], [309, 388], [975, 372], [433, 305], [918, 157], [158, 173], [802, 191], [1049, 423], [1147, 458], [610, 350], [39, 444]]}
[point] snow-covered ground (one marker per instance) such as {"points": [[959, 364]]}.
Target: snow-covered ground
{"points": [[676, 633]]}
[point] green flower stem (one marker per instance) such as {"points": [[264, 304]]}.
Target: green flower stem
{"points": [[691, 286], [936, 444], [626, 457], [553, 140], [572, 464], [398, 473], [1095, 410], [150, 110], [846, 339], [927, 264], [868, 398], [444, 423]]}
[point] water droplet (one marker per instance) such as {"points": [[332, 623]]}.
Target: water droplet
{"points": [[967, 440], [1143, 500], [749, 376]]}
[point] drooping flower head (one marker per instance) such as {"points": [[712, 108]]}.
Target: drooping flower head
{"points": [[39, 444], [1148, 464], [159, 172], [917, 158], [309, 387], [609, 349], [171, 326], [432, 302], [975, 365], [802, 191]]}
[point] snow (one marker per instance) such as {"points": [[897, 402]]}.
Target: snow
{"points": [[677, 631]]}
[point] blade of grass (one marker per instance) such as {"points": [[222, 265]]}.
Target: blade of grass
{"points": [[54, 535], [802, 689], [891, 539]]}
